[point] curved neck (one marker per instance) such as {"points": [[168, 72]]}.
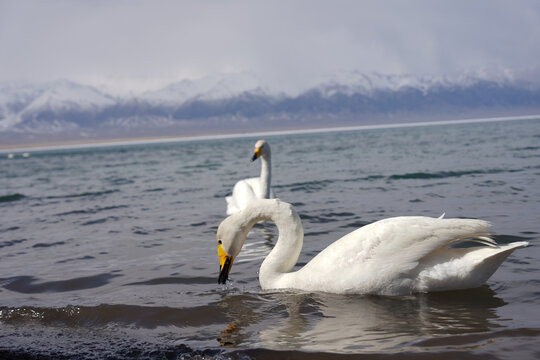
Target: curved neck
{"points": [[266, 175], [285, 253]]}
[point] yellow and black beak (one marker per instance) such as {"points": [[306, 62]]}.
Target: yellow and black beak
{"points": [[256, 154], [225, 264]]}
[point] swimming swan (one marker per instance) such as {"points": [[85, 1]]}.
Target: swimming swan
{"points": [[394, 256], [247, 190]]}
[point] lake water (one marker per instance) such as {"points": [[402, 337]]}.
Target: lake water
{"points": [[110, 252]]}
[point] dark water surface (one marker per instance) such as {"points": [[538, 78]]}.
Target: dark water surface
{"points": [[110, 252]]}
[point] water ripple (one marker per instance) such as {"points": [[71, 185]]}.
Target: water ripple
{"points": [[177, 280], [11, 197], [447, 174], [11, 242], [307, 186], [91, 194], [12, 228], [100, 221], [45, 245], [140, 316], [92, 211], [30, 284]]}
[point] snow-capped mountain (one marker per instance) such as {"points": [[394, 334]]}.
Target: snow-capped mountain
{"points": [[216, 87], [243, 101], [23, 105], [64, 95]]}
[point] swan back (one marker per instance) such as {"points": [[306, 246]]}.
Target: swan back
{"points": [[384, 256]]}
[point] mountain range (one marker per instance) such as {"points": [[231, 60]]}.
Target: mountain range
{"points": [[66, 110]]}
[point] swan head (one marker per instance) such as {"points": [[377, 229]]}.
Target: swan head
{"points": [[230, 238], [262, 148]]}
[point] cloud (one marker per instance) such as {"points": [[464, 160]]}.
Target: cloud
{"points": [[130, 44]]}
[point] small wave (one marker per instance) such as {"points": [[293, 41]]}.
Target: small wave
{"points": [[150, 245], [307, 186], [177, 280], [11, 242], [316, 233], [45, 245], [326, 217], [526, 148], [12, 228], [140, 316], [96, 193], [155, 190], [424, 175], [355, 224], [447, 174], [462, 340], [364, 178], [30, 285], [341, 214], [92, 211], [87, 257], [122, 349], [209, 166], [130, 164], [317, 219], [99, 221], [188, 190], [139, 231], [118, 181], [11, 197]]}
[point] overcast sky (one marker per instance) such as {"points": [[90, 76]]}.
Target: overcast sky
{"points": [[128, 44]]}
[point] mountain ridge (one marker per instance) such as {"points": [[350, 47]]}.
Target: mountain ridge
{"points": [[228, 103]]}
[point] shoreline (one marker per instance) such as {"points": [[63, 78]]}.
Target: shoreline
{"points": [[82, 144]]}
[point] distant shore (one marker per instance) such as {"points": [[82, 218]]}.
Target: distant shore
{"points": [[91, 143]]}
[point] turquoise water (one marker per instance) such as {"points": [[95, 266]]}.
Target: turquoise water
{"points": [[110, 251]]}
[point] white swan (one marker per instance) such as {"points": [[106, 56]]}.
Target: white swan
{"points": [[394, 256], [247, 190]]}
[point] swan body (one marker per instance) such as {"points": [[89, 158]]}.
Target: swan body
{"points": [[394, 256], [247, 190]]}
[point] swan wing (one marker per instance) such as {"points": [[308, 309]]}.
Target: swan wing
{"points": [[244, 192], [461, 268], [256, 185], [383, 257]]}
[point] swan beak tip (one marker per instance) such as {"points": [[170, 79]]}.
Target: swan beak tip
{"points": [[225, 264], [225, 268], [256, 154]]}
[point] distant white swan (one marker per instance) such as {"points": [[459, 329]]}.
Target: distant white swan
{"points": [[247, 190], [394, 256]]}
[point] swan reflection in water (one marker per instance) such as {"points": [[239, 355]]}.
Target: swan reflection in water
{"points": [[352, 323]]}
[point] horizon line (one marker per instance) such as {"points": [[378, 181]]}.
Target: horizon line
{"points": [[80, 144]]}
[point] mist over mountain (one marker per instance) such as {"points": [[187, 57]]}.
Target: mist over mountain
{"points": [[64, 110]]}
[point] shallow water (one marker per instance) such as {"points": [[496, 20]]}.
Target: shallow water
{"points": [[110, 252]]}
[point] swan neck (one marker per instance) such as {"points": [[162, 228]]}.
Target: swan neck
{"points": [[266, 174], [285, 253]]}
